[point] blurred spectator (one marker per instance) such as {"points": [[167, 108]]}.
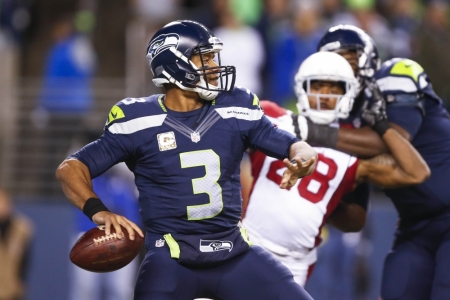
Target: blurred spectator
{"points": [[331, 8], [362, 13], [274, 17], [15, 18], [293, 44], [69, 68], [403, 17], [431, 45], [156, 13], [117, 191], [243, 46], [66, 94], [16, 232]]}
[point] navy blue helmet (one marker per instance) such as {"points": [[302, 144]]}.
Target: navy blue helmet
{"points": [[349, 37], [169, 53]]}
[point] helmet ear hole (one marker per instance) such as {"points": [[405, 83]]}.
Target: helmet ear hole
{"points": [[192, 78]]}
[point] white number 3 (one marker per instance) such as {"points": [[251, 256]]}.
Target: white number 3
{"points": [[207, 184]]}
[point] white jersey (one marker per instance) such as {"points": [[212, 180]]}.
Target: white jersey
{"points": [[291, 220]]}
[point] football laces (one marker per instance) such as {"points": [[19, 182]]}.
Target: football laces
{"points": [[105, 238]]}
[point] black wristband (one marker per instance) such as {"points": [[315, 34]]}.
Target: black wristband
{"points": [[322, 135], [93, 206], [381, 127]]}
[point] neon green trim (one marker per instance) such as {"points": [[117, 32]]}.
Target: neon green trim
{"points": [[115, 114], [161, 104], [213, 102], [255, 100], [408, 68], [245, 236], [173, 245]]}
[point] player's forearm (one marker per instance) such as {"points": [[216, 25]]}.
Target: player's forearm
{"points": [[415, 169], [75, 181], [362, 142], [348, 217]]}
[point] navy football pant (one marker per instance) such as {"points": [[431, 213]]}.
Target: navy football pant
{"points": [[418, 267], [254, 274]]}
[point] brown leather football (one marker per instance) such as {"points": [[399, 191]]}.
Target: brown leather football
{"points": [[97, 252]]}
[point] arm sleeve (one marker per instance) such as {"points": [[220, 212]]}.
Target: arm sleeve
{"points": [[271, 140], [102, 154], [408, 117]]}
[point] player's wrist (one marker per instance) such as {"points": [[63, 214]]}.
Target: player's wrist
{"points": [[381, 127], [93, 206]]}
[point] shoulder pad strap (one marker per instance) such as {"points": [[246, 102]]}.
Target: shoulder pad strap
{"points": [[411, 100]]}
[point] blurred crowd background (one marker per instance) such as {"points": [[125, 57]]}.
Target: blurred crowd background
{"points": [[65, 63]]}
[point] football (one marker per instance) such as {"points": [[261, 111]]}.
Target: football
{"points": [[97, 252]]}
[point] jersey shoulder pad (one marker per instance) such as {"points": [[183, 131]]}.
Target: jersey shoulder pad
{"points": [[132, 108], [404, 82], [240, 97], [272, 109], [401, 75]]}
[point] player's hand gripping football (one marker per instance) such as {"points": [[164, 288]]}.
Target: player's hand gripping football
{"points": [[109, 219]]}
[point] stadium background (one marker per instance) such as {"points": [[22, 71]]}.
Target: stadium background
{"points": [[271, 37]]}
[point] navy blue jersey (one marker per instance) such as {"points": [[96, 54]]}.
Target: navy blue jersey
{"points": [[187, 174], [414, 106]]}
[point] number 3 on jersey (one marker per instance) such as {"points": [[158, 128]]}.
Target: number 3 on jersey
{"points": [[314, 186], [207, 184]]}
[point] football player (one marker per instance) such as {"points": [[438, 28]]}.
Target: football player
{"points": [[360, 51], [185, 148], [417, 267], [290, 227]]}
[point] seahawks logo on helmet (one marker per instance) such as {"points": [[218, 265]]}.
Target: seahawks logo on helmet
{"points": [[161, 43], [213, 246]]}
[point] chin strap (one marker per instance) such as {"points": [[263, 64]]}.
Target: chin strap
{"points": [[205, 94]]}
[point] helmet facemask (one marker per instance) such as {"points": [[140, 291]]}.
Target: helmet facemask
{"points": [[318, 115], [325, 67], [226, 75], [185, 74]]}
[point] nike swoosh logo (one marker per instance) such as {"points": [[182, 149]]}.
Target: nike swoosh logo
{"points": [[114, 115]]}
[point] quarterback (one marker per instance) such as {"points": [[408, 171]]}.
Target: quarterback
{"points": [[185, 148]]}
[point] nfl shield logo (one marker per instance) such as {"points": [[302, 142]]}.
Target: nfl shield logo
{"points": [[159, 243], [195, 137]]}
